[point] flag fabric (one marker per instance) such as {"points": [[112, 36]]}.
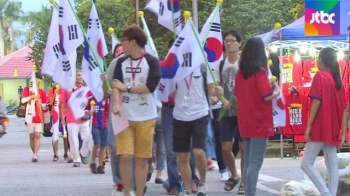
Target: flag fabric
{"points": [[30, 109], [79, 100], [183, 58], [278, 109], [212, 38], [55, 117], [71, 37], [153, 6], [165, 16], [90, 66], [268, 37], [114, 42], [150, 46], [119, 122], [52, 49]]}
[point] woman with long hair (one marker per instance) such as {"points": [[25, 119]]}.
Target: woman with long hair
{"points": [[325, 122], [254, 94]]}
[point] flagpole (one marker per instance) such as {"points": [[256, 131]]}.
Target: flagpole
{"points": [[88, 42], [111, 32], [173, 18], [195, 13], [137, 8], [145, 27], [35, 102]]}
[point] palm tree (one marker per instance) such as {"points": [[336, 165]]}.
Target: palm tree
{"points": [[10, 11]]}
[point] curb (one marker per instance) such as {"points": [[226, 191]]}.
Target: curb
{"points": [[343, 187]]}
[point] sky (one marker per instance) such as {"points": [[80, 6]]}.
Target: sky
{"points": [[28, 6]]}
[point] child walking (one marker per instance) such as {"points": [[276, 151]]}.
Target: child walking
{"points": [[325, 122], [99, 132]]}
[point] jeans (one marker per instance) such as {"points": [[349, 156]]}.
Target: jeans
{"points": [[210, 143], [217, 137], [160, 149], [312, 149], [171, 157], [114, 157], [254, 153]]}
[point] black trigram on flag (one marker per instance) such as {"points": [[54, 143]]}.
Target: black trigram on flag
{"points": [[73, 32], [215, 27], [187, 60], [60, 12], [79, 94], [90, 22], [177, 21], [97, 23], [56, 50], [161, 87], [83, 105], [179, 41], [55, 103], [92, 63], [66, 66], [161, 8]]}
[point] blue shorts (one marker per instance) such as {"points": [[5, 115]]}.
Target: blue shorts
{"points": [[100, 136]]}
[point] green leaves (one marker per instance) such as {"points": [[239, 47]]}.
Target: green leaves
{"points": [[250, 17]]}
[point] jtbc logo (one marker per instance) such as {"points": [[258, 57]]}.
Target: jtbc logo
{"points": [[322, 18]]}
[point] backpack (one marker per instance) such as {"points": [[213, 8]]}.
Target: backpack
{"points": [[205, 85], [221, 67]]}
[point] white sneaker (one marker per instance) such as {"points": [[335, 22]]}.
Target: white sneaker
{"points": [[189, 194], [117, 193], [224, 176], [202, 190]]}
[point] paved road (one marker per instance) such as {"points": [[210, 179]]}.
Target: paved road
{"points": [[19, 176]]}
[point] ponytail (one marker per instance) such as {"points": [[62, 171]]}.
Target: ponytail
{"points": [[336, 76], [330, 60]]}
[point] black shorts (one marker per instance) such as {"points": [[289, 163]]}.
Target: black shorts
{"points": [[229, 129], [187, 132]]}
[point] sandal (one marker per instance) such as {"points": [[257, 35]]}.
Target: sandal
{"points": [[241, 190], [231, 183]]}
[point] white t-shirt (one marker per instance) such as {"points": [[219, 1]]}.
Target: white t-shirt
{"points": [[227, 81], [138, 107], [197, 102]]}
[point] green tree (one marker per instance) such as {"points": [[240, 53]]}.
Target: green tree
{"points": [[297, 10], [10, 11]]}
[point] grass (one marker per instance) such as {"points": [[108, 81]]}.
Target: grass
{"points": [[347, 177]]}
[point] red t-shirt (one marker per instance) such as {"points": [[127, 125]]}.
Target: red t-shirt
{"points": [[39, 117], [254, 113], [327, 124], [297, 74], [297, 107], [101, 113], [308, 64]]}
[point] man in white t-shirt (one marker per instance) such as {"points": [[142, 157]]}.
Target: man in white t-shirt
{"points": [[226, 73], [135, 78], [191, 117]]}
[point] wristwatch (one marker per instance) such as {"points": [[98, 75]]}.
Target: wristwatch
{"points": [[128, 88]]}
